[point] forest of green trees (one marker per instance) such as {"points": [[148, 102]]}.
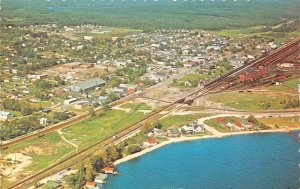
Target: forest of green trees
{"points": [[140, 14]]}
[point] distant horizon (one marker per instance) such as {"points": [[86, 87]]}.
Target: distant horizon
{"points": [[151, 14]]}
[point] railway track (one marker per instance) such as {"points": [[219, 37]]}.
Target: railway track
{"points": [[88, 151], [62, 125]]}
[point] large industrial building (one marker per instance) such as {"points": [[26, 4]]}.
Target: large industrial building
{"points": [[86, 85]]}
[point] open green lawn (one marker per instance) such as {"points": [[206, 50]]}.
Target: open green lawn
{"points": [[110, 32], [49, 148], [218, 126], [287, 85], [281, 121], [179, 120], [193, 77], [250, 101], [94, 129], [137, 106], [44, 150]]}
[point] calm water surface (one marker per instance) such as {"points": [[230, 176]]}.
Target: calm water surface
{"points": [[246, 161]]}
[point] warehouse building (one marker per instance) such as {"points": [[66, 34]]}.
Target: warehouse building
{"points": [[86, 85]]}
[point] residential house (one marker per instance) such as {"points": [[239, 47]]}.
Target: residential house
{"points": [[158, 132], [246, 124], [213, 47], [150, 142], [90, 185], [121, 63], [5, 115], [188, 83], [109, 170], [81, 105], [220, 120], [44, 121], [119, 91], [46, 110], [70, 101], [173, 132], [229, 125], [238, 125], [191, 64], [185, 52], [100, 178], [187, 130], [198, 128], [102, 99]]}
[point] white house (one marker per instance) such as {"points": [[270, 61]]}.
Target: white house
{"points": [[5, 115], [44, 121], [187, 130], [198, 128]]}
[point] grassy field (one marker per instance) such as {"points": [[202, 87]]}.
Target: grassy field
{"points": [[293, 122], [44, 151], [94, 129], [110, 32], [287, 85], [179, 120], [137, 106], [250, 101], [218, 126], [49, 148], [194, 78]]}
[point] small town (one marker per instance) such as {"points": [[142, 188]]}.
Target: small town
{"points": [[132, 94]]}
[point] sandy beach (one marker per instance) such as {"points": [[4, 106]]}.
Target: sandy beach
{"points": [[191, 138]]}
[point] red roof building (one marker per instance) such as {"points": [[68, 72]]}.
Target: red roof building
{"points": [[220, 120], [150, 142], [109, 170], [90, 184]]}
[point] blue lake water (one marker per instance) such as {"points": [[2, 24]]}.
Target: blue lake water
{"points": [[247, 161]]}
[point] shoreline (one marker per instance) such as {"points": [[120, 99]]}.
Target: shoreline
{"points": [[192, 138]]}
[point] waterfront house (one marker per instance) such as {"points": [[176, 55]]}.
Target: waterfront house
{"points": [[150, 142], [187, 130], [109, 170], [100, 178], [238, 125], [230, 125], [198, 128], [158, 132], [90, 185], [220, 120], [173, 132], [5, 115], [246, 124]]}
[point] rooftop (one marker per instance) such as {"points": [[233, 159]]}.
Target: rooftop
{"points": [[90, 83], [3, 113]]}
